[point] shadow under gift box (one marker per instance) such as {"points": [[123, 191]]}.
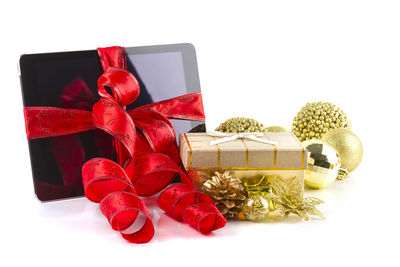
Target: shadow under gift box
{"points": [[245, 159]]}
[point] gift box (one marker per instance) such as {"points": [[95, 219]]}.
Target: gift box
{"points": [[68, 81], [253, 161], [116, 153]]}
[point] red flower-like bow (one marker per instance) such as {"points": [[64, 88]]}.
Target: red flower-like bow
{"points": [[147, 159]]}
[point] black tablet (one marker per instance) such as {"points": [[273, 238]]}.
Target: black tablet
{"points": [[163, 72]]}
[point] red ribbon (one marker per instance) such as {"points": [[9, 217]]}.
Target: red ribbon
{"points": [[148, 157]]}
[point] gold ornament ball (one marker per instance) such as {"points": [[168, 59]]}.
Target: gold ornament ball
{"points": [[316, 119], [241, 125], [276, 129], [256, 208], [348, 145], [323, 164]]}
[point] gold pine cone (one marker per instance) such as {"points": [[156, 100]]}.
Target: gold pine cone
{"points": [[318, 118], [227, 192]]}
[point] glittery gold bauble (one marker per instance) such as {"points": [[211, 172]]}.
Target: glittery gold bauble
{"points": [[201, 128], [323, 164], [348, 145], [256, 208], [316, 119], [241, 125], [227, 193], [276, 129]]}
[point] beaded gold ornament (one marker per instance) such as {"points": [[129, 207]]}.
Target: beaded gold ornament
{"points": [[318, 118]]}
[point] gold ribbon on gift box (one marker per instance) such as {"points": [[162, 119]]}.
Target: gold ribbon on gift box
{"points": [[219, 139]]}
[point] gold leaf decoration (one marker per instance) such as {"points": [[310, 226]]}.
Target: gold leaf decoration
{"points": [[287, 200]]}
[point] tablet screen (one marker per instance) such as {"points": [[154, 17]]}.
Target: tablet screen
{"points": [[69, 80]]}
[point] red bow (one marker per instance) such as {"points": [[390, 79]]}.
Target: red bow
{"points": [[148, 157]]}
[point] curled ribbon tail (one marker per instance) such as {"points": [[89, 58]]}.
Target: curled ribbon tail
{"points": [[183, 203], [105, 182]]}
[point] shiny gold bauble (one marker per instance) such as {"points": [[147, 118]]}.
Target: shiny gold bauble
{"points": [[348, 145], [316, 119], [276, 129], [323, 164], [256, 208]]}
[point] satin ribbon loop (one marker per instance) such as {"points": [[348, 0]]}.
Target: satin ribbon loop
{"points": [[113, 56], [101, 177], [208, 217], [156, 128], [228, 137], [105, 182], [123, 85], [154, 172], [183, 203], [110, 117], [122, 210]]}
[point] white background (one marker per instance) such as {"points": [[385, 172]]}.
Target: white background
{"points": [[263, 60]]}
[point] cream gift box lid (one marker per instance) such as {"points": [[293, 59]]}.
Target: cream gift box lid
{"points": [[198, 154]]}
